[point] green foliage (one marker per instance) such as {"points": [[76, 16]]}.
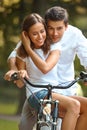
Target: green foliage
{"points": [[79, 68]]}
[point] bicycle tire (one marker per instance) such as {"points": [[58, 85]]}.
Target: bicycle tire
{"points": [[54, 127]]}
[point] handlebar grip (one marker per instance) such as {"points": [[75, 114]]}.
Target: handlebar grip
{"points": [[14, 76], [83, 75]]}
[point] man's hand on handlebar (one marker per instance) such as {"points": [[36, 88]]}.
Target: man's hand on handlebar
{"points": [[83, 76], [85, 83], [21, 74], [8, 75]]}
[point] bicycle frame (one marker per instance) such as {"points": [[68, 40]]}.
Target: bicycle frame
{"points": [[46, 123]]}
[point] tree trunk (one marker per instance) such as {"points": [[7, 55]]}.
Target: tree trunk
{"points": [[22, 95], [39, 6]]}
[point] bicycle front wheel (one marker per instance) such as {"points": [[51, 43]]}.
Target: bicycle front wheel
{"points": [[54, 127], [43, 126]]}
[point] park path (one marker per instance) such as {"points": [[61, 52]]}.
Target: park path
{"points": [[11, 118]]}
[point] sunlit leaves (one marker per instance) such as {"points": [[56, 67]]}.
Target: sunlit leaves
{"points": [[10, 2]]}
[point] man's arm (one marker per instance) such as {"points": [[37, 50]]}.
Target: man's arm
{"points": [[13, 69], [12, 63], [13, 66], [12, 58]]}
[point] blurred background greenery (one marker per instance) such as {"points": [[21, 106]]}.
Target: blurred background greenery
{"points": [[11, 16]]}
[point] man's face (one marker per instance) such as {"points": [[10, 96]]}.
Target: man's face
{"points": [[56, 30]]}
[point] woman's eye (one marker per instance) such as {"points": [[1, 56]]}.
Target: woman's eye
{"points": [[42, 31], [34, 34]]}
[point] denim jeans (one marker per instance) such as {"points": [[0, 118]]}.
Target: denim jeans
{"points": [[34, 99]]}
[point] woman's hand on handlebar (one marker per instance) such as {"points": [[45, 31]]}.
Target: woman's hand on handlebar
{"points": [[23, 74]]}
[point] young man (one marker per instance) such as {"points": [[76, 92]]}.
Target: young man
{"points": [[73, 42]]}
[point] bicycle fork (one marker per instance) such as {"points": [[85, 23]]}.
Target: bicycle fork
{"points": [[55, 115], [51, 125]]}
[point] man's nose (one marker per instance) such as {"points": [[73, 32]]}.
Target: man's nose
{"points": [[55, 32]]}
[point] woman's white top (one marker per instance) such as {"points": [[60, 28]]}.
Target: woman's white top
{"points": [[36, 76]]}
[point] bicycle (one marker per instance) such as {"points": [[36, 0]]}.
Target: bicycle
{"points": [[48, 120]]}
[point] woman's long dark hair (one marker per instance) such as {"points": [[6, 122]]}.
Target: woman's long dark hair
{"points": [[27, 23]]}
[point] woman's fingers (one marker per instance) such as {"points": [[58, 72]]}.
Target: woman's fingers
{"points": [[23, 74]]}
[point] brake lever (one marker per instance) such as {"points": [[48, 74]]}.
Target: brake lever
{"points": [[83, 76]]}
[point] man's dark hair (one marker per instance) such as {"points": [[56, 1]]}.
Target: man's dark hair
{"points": [[56, 13]]}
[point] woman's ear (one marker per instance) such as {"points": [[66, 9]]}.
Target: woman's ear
{"points": [[25, 33]]}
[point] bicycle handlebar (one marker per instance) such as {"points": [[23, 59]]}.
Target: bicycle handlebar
{"points": [[82, 76]]}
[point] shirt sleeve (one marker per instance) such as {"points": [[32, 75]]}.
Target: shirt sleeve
{"points": [[81, 49], [14, 52]]}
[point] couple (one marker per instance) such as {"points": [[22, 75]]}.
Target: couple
{"points": [[40, 59]]}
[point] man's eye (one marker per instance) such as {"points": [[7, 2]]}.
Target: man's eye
{"points": [[34, 34], [60, 28]]}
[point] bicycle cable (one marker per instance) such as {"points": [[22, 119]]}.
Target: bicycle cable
{"points": [[25, 81], [37, 100]]}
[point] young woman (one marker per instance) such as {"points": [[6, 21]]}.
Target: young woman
{"points": [[39, 64]]}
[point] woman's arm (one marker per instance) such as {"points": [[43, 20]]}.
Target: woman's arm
{"points": [[20, 63], [48, 64], [44, 66]]}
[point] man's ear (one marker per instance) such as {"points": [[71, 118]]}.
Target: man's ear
{"points": [[66, 25]]}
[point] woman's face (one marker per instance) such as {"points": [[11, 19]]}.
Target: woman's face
{"points": [[37, 34]]}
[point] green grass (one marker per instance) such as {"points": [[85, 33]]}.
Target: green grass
{"points": [[9, 99], [8, 106], [8, 125]]}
